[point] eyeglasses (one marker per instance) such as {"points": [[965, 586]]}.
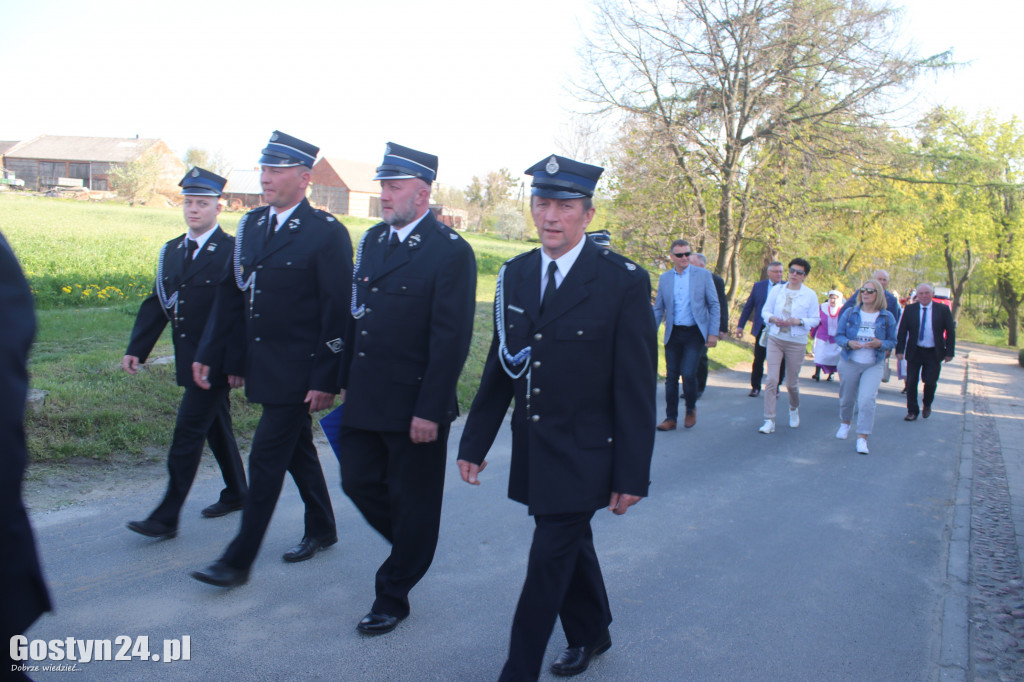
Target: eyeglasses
{"points": [[681, 255], [867, 291], [794, 271]]}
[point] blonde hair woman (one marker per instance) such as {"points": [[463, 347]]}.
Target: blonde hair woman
{"points": [[865, 332]]}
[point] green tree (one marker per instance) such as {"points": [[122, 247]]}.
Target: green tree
{"points": [[195, 156], [136, 180]]}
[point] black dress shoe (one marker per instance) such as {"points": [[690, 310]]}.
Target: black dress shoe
{"points": [[220, 574], [153, 529], [576, 659], [754, 392], [926, 411], [911, 416], [307, 547], [220, 509], [378, 623]]}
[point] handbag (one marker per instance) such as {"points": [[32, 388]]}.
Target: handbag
{"points": [[762, 340]]}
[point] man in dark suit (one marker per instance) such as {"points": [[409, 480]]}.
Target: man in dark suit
{"points": [[575, 344], [414, 296], [189, 269], [927, 337], [701, 261], [23, 593], [288, 287], [752, 311]]}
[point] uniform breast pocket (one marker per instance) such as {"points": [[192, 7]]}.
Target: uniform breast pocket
{"points": [[582, 329], [287, 267], [406, 286]]}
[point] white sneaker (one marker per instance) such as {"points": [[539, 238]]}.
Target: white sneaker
{"points": [[794, 417], [768, 426], [843, 432], [862, 446]]}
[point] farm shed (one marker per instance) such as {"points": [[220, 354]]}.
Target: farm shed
{"points": [[345, 187], [243, 190], [41, 161]]}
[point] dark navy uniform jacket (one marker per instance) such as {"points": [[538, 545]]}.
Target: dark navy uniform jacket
{"points": [[293, 311], [581, 427], [196, 290], [405, 353]]}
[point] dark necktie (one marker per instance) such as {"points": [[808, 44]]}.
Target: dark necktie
{"points": [[271, 229], [190, 251], [549, 288], [393, 243], [924, 321]]}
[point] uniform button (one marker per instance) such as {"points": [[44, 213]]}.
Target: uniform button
{"points": [[362, 354], [511, 326], [579, 332], [259, 291], [369, 310], [257, 339], [364, 333], [536, 363], [207, 281], [181, 319], [609, 439], [259, 267], [288, 263], [374, 289], [535, 418], [255, 314], [404, 287], [538, 337], [536, 391], [183, 336]]}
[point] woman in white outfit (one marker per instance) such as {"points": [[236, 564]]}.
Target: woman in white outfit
{"points": [[790, 312], [864, 334]]}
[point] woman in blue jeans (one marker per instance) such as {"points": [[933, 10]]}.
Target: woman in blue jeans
{"points": [[864, 333]]}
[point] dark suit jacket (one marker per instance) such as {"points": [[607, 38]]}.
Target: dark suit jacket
{"points": [[942, 327], [404, 355], [583, 429], [723, 305], [752, 308], [294, 313], [196, 290], [23, 594]]}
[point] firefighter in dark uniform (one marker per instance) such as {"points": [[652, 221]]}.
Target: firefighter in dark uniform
{"points": [[414, 295], [23, 593], [287, 285], [575, 345], [189, 269]]}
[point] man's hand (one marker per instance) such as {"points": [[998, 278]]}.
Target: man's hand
{"points": [[899, 357], [470, 471], [712, 341], [620, 502], [201, 375], [422, 430], [318, 400], [236, 382], [130, 364], [341, 396], [948, 358]]}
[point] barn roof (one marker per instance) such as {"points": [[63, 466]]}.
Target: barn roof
{"points": [[6, 144], [72, 148], [243, 181], [356, 175]]}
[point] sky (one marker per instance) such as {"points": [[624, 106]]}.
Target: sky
{"points": [[483, 85]]}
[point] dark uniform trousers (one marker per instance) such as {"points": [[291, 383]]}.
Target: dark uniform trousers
{"points": [[398, 487], [202, 416], [283, 442], [926, 364], [562, 569]]}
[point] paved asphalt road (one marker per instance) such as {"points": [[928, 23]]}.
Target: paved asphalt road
{"points": [[782, 557]]}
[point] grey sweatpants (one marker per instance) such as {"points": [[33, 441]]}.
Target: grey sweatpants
{"points": [[858, 384]]}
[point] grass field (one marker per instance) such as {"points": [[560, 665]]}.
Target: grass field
{"points": [[90, 265]]}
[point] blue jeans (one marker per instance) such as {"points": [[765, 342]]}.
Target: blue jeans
{"points": [[682, 355]]}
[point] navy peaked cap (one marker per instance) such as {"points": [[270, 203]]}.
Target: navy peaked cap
{"points": [[284, 150], [557, 177], [201, 182], [402, 163]]}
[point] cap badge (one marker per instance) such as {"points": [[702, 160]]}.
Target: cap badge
{"points": [[195, 173], [552, 167], [387, 150], [273, 138]]}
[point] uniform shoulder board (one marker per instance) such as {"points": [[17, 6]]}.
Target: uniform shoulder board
{"points": [[324, 215], [620, 260], [522, 255]]}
